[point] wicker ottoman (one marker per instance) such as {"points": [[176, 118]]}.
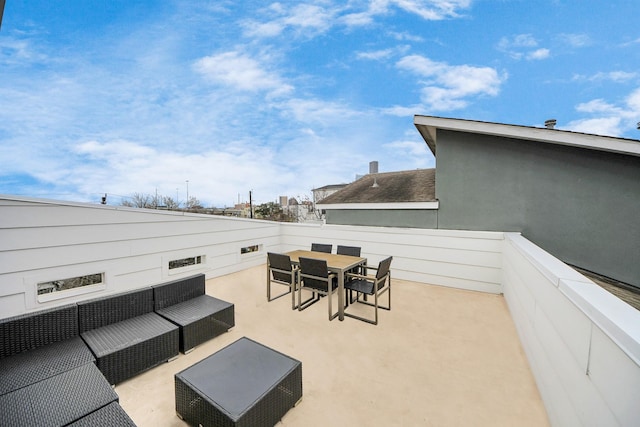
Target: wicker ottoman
{"points": [[244, 384]]}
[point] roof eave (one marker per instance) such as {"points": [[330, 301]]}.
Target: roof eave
{"points": [[428, 126]]}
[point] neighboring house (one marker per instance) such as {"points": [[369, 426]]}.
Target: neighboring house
{"points": [[392, 199], [576, 195], [322, 193]]}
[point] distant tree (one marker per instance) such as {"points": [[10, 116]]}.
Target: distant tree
{"points": [[169, 203], [194, 204], [271, 211], [139, 200]]}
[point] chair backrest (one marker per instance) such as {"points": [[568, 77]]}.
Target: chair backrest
{"points": [[321, 247], [104, 311], [348, 250], [30, 331], [177, 291], [280, 262], [317, 268], [383, 267]]}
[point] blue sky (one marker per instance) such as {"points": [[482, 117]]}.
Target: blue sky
{"points": [[123, 97]]}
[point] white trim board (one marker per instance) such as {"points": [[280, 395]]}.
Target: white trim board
{"points": [[379, 206]]}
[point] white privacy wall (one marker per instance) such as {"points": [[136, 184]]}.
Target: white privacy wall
{"points": [[461, 259], [48, 240], [583, 344], [44, 240]]}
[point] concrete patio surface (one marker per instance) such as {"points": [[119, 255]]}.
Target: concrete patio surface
{"points": [[440, 357]]}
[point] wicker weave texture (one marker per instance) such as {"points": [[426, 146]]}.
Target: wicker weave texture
{"points": [[126, 348], [200, 319], [59, 400], [177, 291], [248, 402], [33, 330], [111, 415], [198, 410], [36, 365], [104, 311]]}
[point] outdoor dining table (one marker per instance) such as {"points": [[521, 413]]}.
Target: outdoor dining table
{"points": [[338, 264]]}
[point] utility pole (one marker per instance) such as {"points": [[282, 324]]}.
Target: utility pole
{"points": [[187, 205], [250, 205]]}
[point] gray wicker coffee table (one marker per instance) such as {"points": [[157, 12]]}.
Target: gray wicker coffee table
{"points": [[243, 384]]}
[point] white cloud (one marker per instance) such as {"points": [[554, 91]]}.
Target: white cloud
{"points": [[597, 106], [310, 19], [522, 46], [378, 55], [448, 87], [538, 54], [318, 111], [576, 40], [608, 119], [402, 36], [123, 167], [517, 41], [241, 72], [600, 126], [302, 18], [614, 76]]}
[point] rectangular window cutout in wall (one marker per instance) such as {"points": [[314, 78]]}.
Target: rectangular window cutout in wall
{"points": [[250, 249], [186, 262], [68, 284]]}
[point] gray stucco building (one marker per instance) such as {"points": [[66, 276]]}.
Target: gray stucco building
{"points": [[576, 195]]}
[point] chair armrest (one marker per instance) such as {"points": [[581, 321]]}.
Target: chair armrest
{"points": [[360, 276]]}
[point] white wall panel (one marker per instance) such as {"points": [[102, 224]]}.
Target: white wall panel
{"points": [[617, 377], [566, 323]]}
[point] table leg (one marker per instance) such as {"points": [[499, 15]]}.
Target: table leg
{"points": [[341, 295]]}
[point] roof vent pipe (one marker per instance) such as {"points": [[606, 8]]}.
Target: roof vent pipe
{"points": [[550, 124], [373, 167]]}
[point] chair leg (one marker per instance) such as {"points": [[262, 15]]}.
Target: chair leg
{"points": [[315, 297]]}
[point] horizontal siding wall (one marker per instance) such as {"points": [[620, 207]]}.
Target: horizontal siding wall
{"points": [[461, 259], [42, 241], [583, 344]]}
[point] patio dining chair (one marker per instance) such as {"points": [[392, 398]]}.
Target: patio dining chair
{"points": [[369, 285], [348, 250], [314, 276], [351, 251], [282, 272], [321, 247]]}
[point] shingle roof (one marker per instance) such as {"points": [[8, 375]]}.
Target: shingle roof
{"points": [[404, 186]]}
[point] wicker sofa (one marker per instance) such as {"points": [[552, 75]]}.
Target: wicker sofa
{"points": [[57, 365], [47, 373], [200, 317], [125, 335], [40, 345]]}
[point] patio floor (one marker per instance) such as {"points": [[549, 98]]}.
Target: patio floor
{"points": [[440, 357]]}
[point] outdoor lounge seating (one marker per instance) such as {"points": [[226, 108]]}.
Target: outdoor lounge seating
{"points": [[125, 335], [370, 285], [58, 400], [47, 373], [321, 247], [199, 317], [314, 276], [40, 345]]}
